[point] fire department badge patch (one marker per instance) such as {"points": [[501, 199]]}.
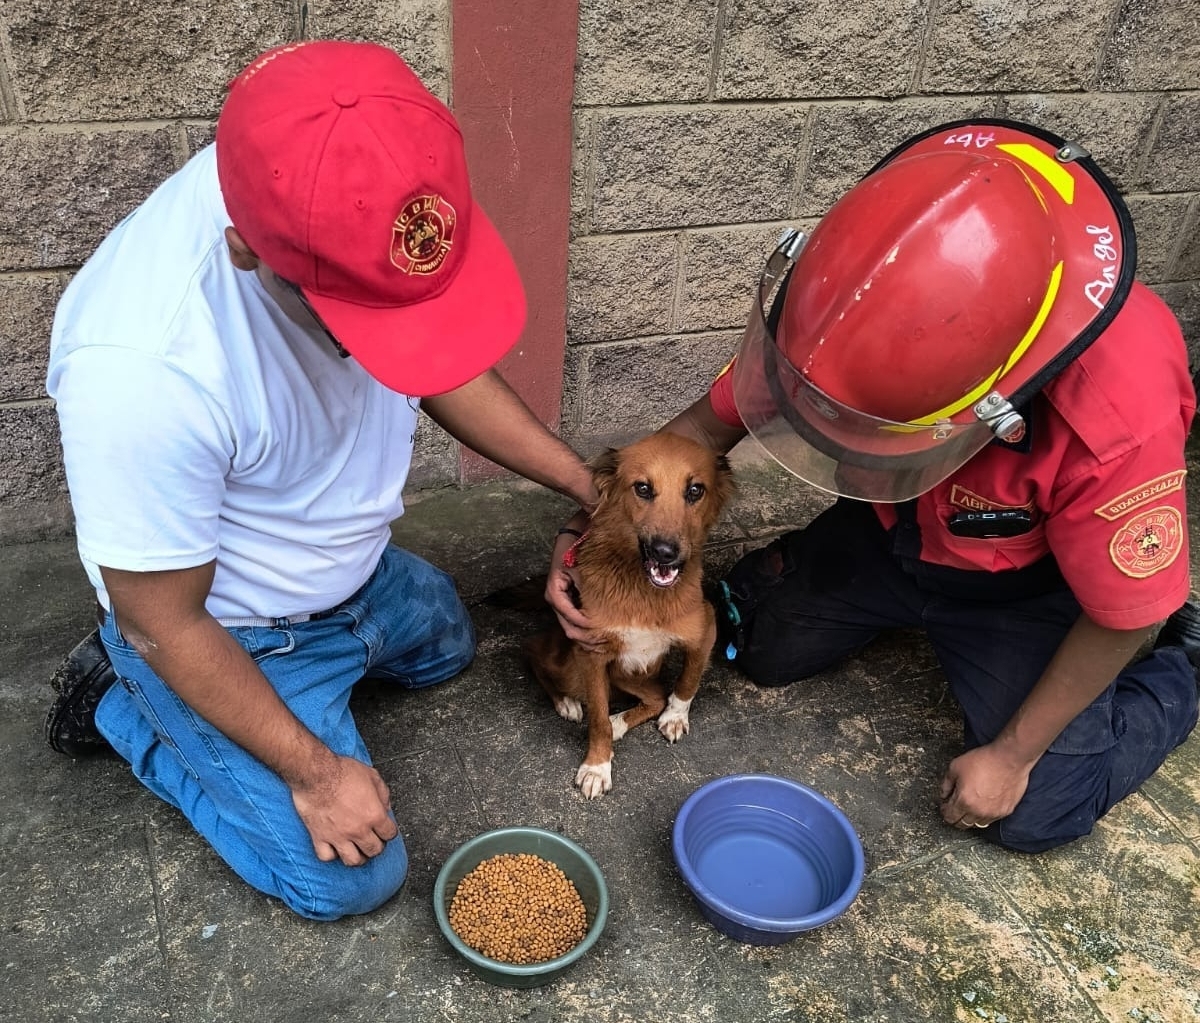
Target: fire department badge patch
{"points": [[422, 234], [1148, 543]]}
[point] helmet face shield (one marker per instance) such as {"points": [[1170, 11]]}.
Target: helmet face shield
{"points": [[830, 445], [950, 285]]}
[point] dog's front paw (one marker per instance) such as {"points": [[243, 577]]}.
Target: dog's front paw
{"points": [[594, 779], [569, 708], [673, 722]]}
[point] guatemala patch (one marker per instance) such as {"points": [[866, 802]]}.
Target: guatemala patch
{"points": [[1148, 542], [1129, 501]]}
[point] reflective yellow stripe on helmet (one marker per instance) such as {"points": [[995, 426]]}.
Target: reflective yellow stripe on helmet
{"points": [[1056, 175], [1022, 347]]}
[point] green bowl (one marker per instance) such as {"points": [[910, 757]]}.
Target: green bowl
{"points": [[579, 867]]}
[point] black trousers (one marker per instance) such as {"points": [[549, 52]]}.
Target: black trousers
{"points": [[816, 595]]}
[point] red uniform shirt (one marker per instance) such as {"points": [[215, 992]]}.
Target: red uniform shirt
{"points": [[1103, 479]]}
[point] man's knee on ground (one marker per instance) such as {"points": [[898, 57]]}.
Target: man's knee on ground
{"points": [[766, 665], [1031, 832], [462, 652], [334, 890], [774, 654], [763, 670]]}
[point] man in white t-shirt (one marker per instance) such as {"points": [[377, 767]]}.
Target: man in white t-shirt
{"points": [[237, 372]]}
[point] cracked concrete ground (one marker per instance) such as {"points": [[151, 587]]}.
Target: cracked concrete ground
{"points": [[112, 909]]}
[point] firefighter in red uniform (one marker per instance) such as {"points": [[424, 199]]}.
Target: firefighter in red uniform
{"points": [[961, 354]]}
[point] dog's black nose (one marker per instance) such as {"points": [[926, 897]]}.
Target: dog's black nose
{"points": [[665, 552]]}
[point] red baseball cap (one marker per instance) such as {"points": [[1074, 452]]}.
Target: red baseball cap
{"points": [[347, 177]]}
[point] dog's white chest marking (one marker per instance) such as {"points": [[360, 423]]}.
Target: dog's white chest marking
{"points": [[641, 649]]}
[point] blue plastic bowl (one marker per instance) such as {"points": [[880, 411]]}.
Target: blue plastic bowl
{"points": [[766, 857]]}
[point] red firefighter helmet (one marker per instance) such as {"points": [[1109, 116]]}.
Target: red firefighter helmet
{"points": [[933, 300]]}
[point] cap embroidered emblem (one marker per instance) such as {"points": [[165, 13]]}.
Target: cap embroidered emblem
{"points": [[1148, 543], [422, 235]]}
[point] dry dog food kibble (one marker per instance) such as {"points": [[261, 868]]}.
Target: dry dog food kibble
{"points": [[518, 908]]}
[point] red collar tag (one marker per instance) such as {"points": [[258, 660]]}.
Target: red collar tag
{"points": [[571, 554]]}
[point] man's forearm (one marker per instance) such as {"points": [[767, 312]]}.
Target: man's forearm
{"points": [[700, 423], [1085, 664], [213, 675], [162, 615], [490, 418]]}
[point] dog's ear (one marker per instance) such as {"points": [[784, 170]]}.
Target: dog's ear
{"points": [[604, 470], [725, 486]]}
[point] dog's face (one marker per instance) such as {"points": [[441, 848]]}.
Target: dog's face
{"points": [[670, 491]]}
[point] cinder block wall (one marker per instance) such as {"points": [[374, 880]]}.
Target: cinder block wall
{"points": [[702, 128]]}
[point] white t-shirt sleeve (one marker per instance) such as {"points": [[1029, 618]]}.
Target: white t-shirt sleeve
{"points": [[146, 454]]}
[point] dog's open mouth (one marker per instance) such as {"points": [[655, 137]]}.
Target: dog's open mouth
{"points": [[661, 573]]}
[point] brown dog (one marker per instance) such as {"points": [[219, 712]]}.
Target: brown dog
{"points": [[639, 568]]}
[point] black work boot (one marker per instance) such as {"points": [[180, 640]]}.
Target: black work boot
{"points": [[1182, 629], [84, 676]]}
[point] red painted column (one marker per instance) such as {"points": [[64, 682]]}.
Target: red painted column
{"points": [[512, 84]]}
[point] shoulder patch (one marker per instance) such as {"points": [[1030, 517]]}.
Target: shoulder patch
{"points": [[1153, 489], [1148, 543]]}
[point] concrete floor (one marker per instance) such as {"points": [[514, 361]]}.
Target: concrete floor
{"points": [[112, 909]]}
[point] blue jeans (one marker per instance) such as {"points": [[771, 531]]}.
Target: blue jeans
{"points": [[815, 596], [405, 624]]}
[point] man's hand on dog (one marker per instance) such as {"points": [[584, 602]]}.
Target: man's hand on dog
{"points": [[562, 593]]}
